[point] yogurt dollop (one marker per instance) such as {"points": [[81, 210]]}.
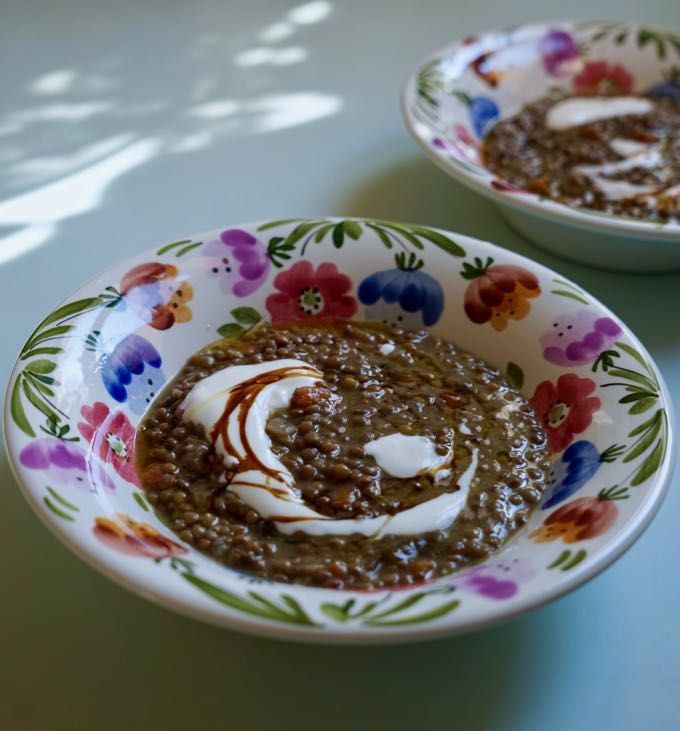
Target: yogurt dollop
{"points": [[234, 405], [578, 110]]}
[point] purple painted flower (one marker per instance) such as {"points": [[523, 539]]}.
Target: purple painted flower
{"points": [[238, 261], [578, 338], [558, 51], [62, 463], [495, 580]]}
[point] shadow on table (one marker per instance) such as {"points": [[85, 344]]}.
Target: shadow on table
{"points": [[413, 189]]}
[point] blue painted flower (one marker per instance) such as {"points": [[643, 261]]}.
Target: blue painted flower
{"points": [[405, 296], [578, 464], [132, 372], [482, 110], [669, 87]]}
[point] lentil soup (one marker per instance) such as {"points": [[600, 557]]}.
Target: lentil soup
{"points": [[619, 155], [390, 457]]}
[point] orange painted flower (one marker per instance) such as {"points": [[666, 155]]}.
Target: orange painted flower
{"points": [[153, 292], [135, 539], [579, 520], [498, 293]]}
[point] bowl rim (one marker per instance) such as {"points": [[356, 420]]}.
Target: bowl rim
{"points": [[526, 202], [185, 606]]}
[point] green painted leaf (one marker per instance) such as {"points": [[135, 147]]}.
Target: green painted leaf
{"points": [[514, 374], [629, 375], [415, 619], [72, 308], [62, 500], [47, 350], [440, 240], [170, 247], [295, 605], [645, 425], [575, 560], [370, 606], [639, 358], [645, 441], [189, 247], [53, 332], [335, 612], [387, 242], [58, 511], [560, 559], [651, 464], [352, 229], [404, 232], [230, 330], [645, 404], [17, 409], [318, 236], [338, 236], [299, 231], [261, 607], [139, 499], [40, 386], [275, 224], [41, 366], [39, 403], [246, 316], [400, 606], [569, 295]]}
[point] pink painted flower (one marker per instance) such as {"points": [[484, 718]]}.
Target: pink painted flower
{"points": [[559, 52], [565, 408], [135, 539], [601, 77], [238, 261], [494, 579], [111, 437], [308, 293]]}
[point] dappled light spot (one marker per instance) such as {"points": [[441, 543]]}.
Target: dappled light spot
{"points": [[273, 56], [54, 82], [310, 13]]}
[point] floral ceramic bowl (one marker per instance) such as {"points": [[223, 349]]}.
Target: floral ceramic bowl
{"points": [[89, 370], [454, 97]]}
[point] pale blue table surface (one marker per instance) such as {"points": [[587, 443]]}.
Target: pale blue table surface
{"points": [[184, 116]]}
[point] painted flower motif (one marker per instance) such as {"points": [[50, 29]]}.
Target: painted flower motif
{"points": [[495, 580], [488, 68], [577, 465], [152, 291], [111, 437], [309, 293], [559, 52], [579, 520], [578, 338], [238, 261], [498, 293], [132, 373], [565, 408], [505, 187], [602, 77], [135, 539], [669, 87], [405, 296], [462, 144], [481, 110], [62, 463]]}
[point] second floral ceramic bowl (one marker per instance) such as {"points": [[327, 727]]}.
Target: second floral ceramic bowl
{"points": [[89, 370], [454, 97]]}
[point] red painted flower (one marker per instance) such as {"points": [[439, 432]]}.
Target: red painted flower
{"points": [[135, 539], [306, 293], [112, 438], [565, 408], [578, 520], [601, 77]]}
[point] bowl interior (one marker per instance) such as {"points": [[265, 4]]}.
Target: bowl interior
{"points": [[454, 98], [92, 366]]}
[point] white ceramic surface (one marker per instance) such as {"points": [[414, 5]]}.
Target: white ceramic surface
{"points": [[89, 370], [453, 98]]}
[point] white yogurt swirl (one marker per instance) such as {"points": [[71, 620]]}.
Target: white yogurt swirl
{"points": [[234, 405]]}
